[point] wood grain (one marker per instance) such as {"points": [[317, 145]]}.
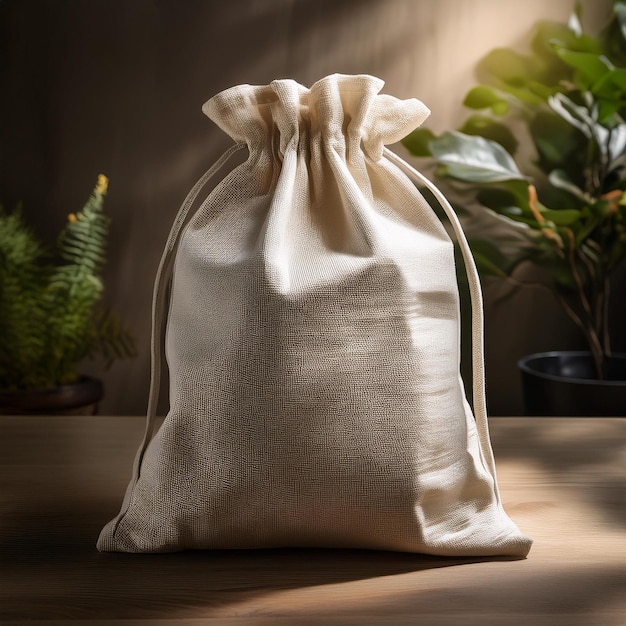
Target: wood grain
{"points": [[562, 480]]}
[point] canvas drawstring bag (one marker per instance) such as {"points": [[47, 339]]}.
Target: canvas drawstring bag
{"points": [[313, 344]]}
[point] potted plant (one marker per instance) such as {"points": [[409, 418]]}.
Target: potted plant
{"points": [[566, 203], [50, 318]]}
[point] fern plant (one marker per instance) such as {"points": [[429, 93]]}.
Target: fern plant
{"points": [[50, 313]]}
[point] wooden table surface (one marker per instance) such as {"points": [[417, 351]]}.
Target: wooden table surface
{"points": [[562, 480]]}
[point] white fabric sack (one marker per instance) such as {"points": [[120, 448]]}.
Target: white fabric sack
{"points": [[313, 346]]}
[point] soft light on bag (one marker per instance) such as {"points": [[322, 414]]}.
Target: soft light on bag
{"points": [[313, 344]]}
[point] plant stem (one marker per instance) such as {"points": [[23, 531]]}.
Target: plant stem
{"points": [[590, 334], [605, 317], [594, 340]]}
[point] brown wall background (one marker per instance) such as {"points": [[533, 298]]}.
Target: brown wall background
{"points": [[116, 86]]}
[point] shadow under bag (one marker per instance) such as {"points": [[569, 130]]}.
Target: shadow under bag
{"points": [[313, 343]]}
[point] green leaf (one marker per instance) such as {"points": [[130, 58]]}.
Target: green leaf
{"points": [[509, 66], [562, 217], [488, 128], [500, 200], [417, 142], [556, 140], [524, 93], [500, 108], [590, 67], [580, 117], [473, 158], [575, 115], [613, 35], [561, 180], [511, 204], [482, 97], [547, 32], [611, 86], [541, 90], [517, 191], [529, 79], [490, 258], [607, 110]]}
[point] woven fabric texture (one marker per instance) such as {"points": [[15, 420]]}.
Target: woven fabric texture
{"points": [[313, 349]]}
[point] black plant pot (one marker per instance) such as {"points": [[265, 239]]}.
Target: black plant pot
{"points": [[79, 398], [565, 383]]}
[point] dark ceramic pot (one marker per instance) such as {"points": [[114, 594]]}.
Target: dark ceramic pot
{"points": [[79, 398], [565, 383]]}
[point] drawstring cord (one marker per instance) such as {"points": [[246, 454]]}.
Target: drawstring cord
{"points": [[161, 281], [478, 350], [163, 277]]}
